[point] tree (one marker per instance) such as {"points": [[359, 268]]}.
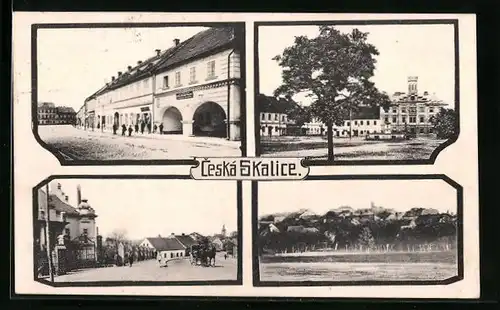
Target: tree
{"points": [[333, 69], [366, 239], [445, 123], [118, 235]]}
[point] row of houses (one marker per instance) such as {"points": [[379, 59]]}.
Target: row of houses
{"points": [[409, 112], [191, 88], [50, 114]]}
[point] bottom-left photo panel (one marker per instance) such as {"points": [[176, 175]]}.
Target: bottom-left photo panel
{"points": [[136, 230]]}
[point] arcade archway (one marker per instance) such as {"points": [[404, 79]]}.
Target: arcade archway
{"points": [[172, 121], [209, 119]]}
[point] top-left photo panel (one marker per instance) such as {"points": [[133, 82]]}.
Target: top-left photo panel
{"points": [[139, 94]]}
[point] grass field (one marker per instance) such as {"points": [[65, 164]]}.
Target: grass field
{"points": [[415, 266], [346, 149]]}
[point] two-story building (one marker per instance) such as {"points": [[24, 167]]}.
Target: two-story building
{"points": [[191, 88], [50, 114], [364, 121], [411, 112], [273, 117]]}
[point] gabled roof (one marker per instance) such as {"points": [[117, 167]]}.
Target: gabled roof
{"points": [[66, 109], [269, 104], [187, 241], [198, 45], [165, 244], [55, 203], [366, 113]]}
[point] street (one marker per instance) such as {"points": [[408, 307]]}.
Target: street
{"points": [[79, 144], [150, 270]]}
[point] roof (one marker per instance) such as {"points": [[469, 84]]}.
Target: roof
{"points": [[66, 109], [269, 104], [186, 240], [366, 113], [198, 45], [165, 244], [56, 203]]}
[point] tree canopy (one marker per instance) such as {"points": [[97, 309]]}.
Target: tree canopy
{"points": [[445, 123], [334, 70]]}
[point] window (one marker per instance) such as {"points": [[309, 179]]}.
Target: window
{"points": [[182, 254], [421, 119], [177, 254], [374, 122], [192, 74], [431, 110], [164, 255], [85, 231], [421, 109], [413, 119], [42, 214], [361, 122], [387, 119], [171, 255], [275, 117], [421, 130], [404, 119], [348, 123], [211, 69], [177, 78], [394, 119], [269, 116], [367, 122], [403, 110], [430, 130], [355, 122], [165, 81], [67, 231], [394, 110], [263, 116], [283, 118], [361, 132]]}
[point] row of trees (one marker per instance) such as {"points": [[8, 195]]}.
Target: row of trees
{"points": [[344, 234], [334, 70]]}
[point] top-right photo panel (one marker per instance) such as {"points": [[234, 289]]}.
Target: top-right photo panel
{"points": [[356, 92]]}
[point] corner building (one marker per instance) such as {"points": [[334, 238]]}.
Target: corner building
{"points": [[192, 89]]}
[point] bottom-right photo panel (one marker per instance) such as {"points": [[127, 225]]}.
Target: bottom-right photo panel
{"points": [[358, 230]]}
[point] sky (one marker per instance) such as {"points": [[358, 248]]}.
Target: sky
{"points": [[75, 63], [322, 196], [426, 51], [147, 208]]}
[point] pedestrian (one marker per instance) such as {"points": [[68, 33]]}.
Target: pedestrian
{"points": [[115, 128], [225, 256], [142, 127], [131, 259], [136, 127], [161, 128], [124, 129], [149, 127], [130, 130], [154, 128]]}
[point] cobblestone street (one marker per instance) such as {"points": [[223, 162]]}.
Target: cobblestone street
{"points": [[79, 144], [150, 270]]}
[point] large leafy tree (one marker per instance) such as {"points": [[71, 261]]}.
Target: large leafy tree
{"points": [[333, 69], [445, 123]]}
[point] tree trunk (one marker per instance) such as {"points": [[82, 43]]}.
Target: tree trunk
{"points": [[330, 141]]}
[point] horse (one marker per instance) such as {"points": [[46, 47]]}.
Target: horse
{"points": [[211, 252]]}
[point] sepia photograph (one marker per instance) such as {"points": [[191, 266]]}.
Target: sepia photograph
{"points": [[350, 231], [139, 93], [91, 231], [354, 93]]}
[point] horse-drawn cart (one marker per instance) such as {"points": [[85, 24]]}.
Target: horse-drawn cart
{"points": [[202, 255]]}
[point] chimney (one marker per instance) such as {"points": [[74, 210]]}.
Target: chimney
{"points": [[112, 78], [412, 85], [119, 73], [97, 231], [59, 186], [139, 62], [183, 234], [78, 195], [158, 52], [176, 42], [172, 234], [66, 198], [129, 68]]}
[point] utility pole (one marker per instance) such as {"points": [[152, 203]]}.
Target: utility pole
{"points": [[47, 236]]}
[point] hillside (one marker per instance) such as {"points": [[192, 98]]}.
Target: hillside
{"points": [[347, 228]]}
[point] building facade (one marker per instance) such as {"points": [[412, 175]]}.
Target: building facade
{"points": [[50, 114], [362, 123], [411, 112], [192, 88]]}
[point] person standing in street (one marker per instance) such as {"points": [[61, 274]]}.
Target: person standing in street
{"points": [[115, 128], [131, 259], [142, 127], [161, 128], [130, 130], [136, 127], [124, 129]]}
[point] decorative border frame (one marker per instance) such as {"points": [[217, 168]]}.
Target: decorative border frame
{"points": [[239, 203], [239, 29], [460, 272], [312, 162]]}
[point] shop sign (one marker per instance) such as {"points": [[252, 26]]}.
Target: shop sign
{"points": [[184, 95]]}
